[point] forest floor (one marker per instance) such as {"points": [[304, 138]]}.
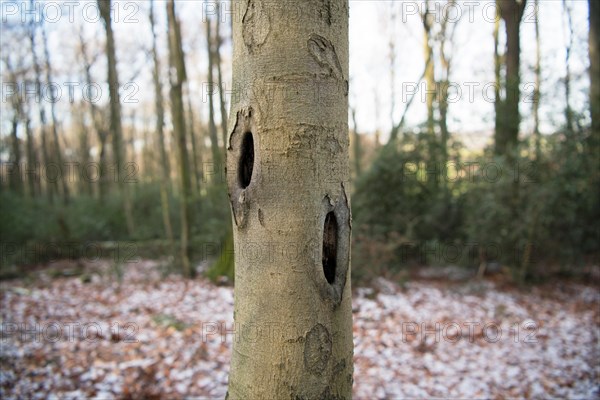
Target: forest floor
{"points": [[105, 334]]}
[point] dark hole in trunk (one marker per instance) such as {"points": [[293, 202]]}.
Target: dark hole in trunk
{"points": [[246, 160], [330, 247]]}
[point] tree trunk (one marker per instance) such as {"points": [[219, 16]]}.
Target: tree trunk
{"points": [[594, 50], [165, 170], [32, 158], [430, 98], [507, 133], [217, 53], [429, 75], [498, 82], [288, 180], [15, 177], [446, 36], [97, 120], [85, 185], [212, 128], [57, 153], [192, 127], [177, 77], [537, 94], [115, 112], [568, 109], [51, 185]]}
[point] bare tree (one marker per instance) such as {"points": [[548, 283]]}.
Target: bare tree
{"points": [[54, 129], [212, 128], [217, 60], [164, 167], [509, 119], [177, 78], [96, 116], [567, 80], [115, 111], [51, 185], [537, 91]]}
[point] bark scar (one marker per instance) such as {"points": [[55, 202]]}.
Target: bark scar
{"points": [[325, 11], [317, 349], [323, 51], [256, 25]]}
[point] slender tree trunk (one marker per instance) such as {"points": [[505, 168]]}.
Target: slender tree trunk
{"points": [[443, 107], [14, 181], [446, 36], [57, 152], [593, 140], [288, 181], [594, 50], [85, 185], [115, 112], [32, 158], [392, 56], [165, 170], [217, 53], [177, 78], [430, 98], [537, 93], [498, 101], [430, 90], [192, 129], [51, 184], [511, 11], [212, 128], [96, 120], [568, 109]]}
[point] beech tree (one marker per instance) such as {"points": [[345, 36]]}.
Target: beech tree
{"points": [[288, 173]]}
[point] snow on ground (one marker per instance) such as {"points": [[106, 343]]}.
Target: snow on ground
{"points": [[76, 337]]}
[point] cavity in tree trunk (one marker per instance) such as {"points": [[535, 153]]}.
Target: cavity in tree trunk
{"points": [[288, 175], [177, 77]]}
